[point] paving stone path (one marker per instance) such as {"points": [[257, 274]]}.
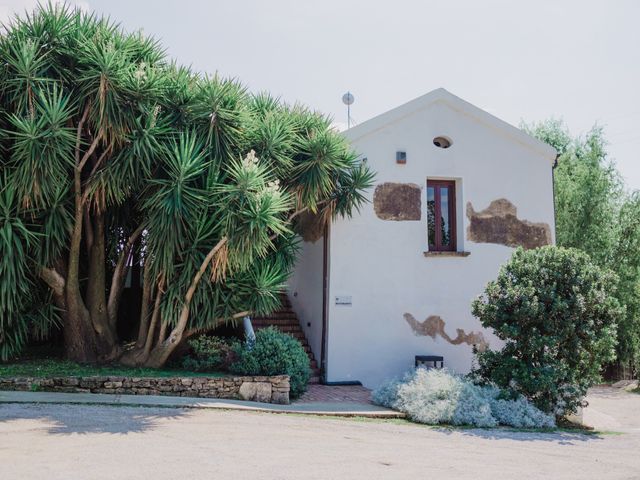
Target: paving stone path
{"points": [[336, 393]]}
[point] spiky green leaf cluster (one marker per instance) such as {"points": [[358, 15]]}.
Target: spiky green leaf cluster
{"points": [[172, 152]]}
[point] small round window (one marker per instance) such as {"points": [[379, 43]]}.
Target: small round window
{"points": [[442, 142]]}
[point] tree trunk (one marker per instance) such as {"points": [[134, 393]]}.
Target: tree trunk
{"points": [[160, 354], [147, 292], [81, 340], [106, 336], [79, 336], [139, 355]]}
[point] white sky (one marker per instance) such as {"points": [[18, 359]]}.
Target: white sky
{"points": [[578, 60]]}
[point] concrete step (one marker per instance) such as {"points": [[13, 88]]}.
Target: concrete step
{"points": [[280, 327], [274, 321], [286, 327], [292, 329], [285, 320], [276, 315]]}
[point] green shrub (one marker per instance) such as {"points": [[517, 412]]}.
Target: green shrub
{"points": [[208, 354], [274, 353], [554, 309], [439, 397]]}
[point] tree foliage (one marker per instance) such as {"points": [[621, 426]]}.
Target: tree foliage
{"points": [[553, 308], [109, 152], [595, 214]]}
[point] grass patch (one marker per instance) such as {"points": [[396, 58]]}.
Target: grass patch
{"points": [[44, 368]]}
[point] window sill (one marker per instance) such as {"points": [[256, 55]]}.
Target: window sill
{"points": [[447, 254]]}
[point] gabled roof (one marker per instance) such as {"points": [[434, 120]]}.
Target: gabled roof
{"points": [[456, 103]]}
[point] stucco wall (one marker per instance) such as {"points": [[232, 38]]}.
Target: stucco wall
{"points": [[380, 263], [305, 292]]}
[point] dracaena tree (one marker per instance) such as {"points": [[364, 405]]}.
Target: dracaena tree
{"points": [[113, 156]]}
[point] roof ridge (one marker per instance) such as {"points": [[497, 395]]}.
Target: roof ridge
{"points": [[442, 95]]}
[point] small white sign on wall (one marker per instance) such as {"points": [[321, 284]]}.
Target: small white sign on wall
{"points": [[343, 300]]}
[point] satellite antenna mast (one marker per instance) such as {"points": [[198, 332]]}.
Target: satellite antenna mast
{"points": [[348, 99]]}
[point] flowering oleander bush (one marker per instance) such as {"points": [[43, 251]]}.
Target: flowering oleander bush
{"points": [[434, 397]]}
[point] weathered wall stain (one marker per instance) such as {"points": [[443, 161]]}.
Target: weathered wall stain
{"points": [[434, 326], [499, 223], [397, 201]]}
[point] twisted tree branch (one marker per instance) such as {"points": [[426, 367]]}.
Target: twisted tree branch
{"points": [[217, 321], [52, 278]]}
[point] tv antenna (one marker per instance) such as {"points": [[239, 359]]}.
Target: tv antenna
{"points": [[348, 100]]}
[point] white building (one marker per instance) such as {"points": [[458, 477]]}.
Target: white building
{"points": [[456, 190]]}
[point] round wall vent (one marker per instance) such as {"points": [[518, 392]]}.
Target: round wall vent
{"points": [[442, 142]]}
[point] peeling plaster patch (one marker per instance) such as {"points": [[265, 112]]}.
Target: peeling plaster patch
{"points": [[398, 201], [499, 223], [310, 226], [434, 326]]}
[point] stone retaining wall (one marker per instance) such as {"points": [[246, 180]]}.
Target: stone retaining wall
{"points": [[256, 388]]}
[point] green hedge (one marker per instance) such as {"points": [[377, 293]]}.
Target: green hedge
{"points": [[274, 353]]}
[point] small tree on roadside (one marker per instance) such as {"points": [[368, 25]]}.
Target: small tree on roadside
{"points": [[595, 214], [555, 311]]}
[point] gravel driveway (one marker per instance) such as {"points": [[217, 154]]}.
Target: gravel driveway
{"points": [[89, 442]]}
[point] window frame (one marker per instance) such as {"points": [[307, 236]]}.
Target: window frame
{"points": [[435, 244]]}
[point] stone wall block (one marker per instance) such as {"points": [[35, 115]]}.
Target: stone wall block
{"points": [[281, 398], [255, 388]]}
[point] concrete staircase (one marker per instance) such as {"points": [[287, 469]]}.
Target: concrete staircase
{"points": [[286, 320]]}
